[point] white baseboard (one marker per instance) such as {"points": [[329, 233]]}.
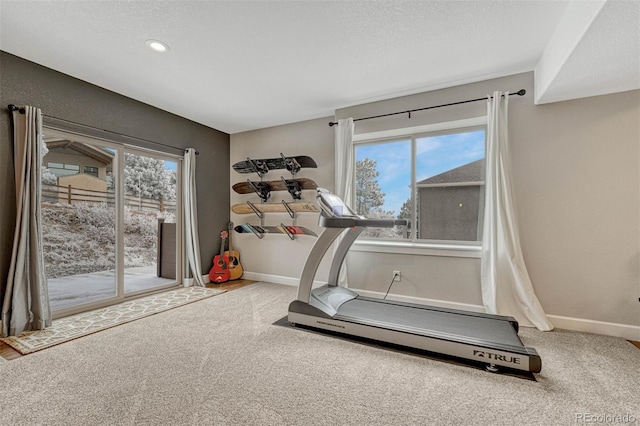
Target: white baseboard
{"points": [[626, 331], [276, 279]]}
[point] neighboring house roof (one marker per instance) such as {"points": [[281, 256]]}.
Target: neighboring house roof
{"points": [[80, 177], [102, 155], [470, 174]]}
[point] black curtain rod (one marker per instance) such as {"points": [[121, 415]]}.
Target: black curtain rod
{"points": [[12, 107], [520, 92]]}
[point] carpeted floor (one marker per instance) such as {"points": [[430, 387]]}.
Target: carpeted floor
{"points": [[222, 361], [72, 327]]}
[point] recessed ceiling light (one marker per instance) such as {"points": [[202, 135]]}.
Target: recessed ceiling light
{"points": [[157, 45]]}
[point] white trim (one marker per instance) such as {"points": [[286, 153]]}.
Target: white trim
{"points": [[427, 128], [626, 331], [422, 249], [118, 167], [277, 279], [450, 184]]}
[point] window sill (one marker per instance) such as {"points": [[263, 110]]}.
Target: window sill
{"points": [[419, 249]]}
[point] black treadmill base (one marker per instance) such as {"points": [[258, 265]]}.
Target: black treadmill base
{"points": [[526, 375]]}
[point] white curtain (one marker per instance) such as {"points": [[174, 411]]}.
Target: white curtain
{"points": [[26, 298], [506, 286], [192, 242], [344, 174]]}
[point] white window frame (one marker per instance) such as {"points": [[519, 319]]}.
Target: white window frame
{"points": [[423, 248]]}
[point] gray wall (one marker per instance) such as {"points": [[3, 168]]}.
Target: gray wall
{"points": [[577, 187], [65, 97]]}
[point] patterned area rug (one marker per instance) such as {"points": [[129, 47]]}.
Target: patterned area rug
{"points": [[79, 325]]}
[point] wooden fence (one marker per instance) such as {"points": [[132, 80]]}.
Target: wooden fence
{"points": [[70, 195]]}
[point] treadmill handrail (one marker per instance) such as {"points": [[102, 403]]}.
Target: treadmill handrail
{"points": [[320, 247], [349, 222], [340, 253]]}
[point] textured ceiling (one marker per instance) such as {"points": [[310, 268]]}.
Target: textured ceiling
{"points": [[242, 65], [597, 49]]}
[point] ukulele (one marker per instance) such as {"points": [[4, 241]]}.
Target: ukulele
{"points": [[219, 273], [235, 268]]}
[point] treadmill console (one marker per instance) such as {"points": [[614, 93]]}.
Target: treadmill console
{"points": [[333, 206], [336, 214]]}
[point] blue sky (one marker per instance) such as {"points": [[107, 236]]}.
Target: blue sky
{"points": [[434, 155]]}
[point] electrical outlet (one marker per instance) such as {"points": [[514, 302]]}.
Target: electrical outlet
{"points": [[396, 275]]}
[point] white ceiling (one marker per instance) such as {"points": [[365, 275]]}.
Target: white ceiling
{"points": [[243, 65]]}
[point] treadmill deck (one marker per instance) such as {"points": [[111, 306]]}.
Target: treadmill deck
{"points": [[430, 322]]}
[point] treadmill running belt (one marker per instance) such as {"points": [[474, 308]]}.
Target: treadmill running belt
{"points": [[486, 329]]}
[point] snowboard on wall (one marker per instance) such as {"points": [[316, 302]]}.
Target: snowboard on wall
{"points": [[263, 165], [261, 230], [296, 206], [264, 188]]}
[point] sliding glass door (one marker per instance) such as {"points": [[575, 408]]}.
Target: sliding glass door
{"points": [[78, 221], [111, 222], [149, 222]]}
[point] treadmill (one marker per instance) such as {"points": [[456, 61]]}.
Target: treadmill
{"points": [[489, 339]]}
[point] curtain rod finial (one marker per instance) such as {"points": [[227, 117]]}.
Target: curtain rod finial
{"points": [[12, 107], [521, 92]]}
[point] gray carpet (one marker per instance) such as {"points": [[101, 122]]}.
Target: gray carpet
{"points": [[221, 361]]}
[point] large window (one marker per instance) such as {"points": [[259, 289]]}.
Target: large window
{"points": [[434, 180]]}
